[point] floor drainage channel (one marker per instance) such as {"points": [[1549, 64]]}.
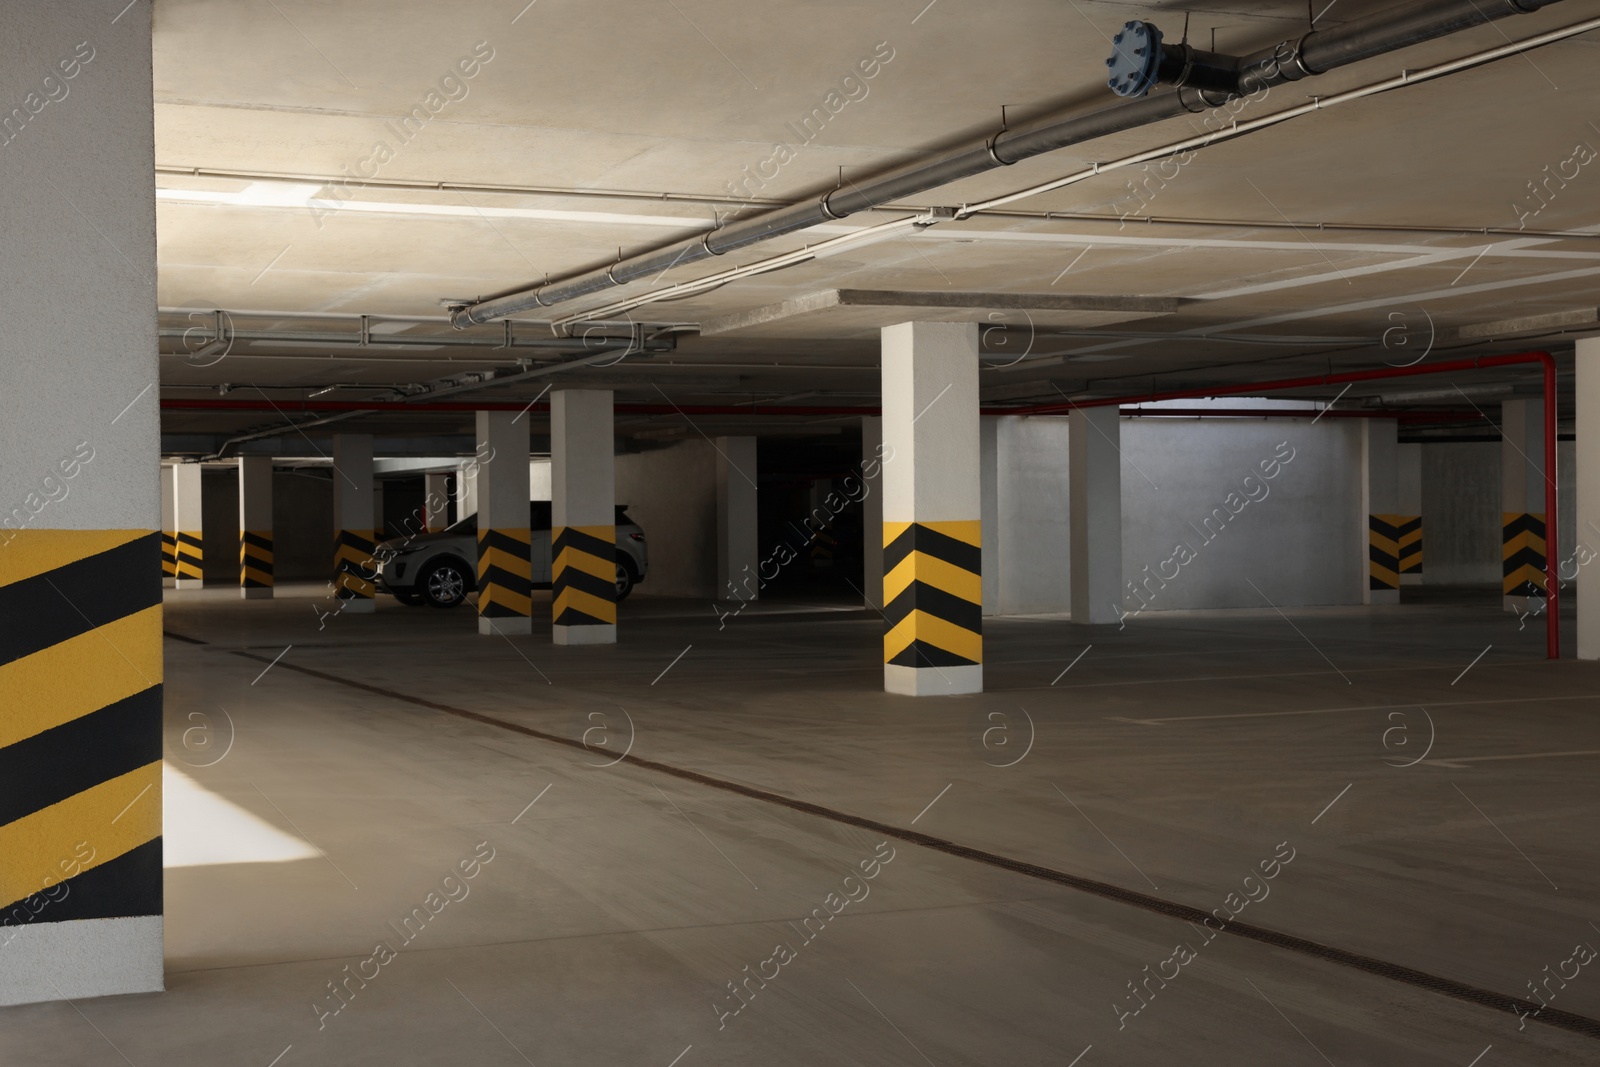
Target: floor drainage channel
{"points": [[1564, 1020]]}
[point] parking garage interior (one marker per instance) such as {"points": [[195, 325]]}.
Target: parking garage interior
{"points": [[697, 533]]}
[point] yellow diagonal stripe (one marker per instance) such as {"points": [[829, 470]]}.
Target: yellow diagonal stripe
{"points": [[587, 603], [1384, 575], [499, 594], [967, 531], [35, 845], [1384, 544], [26, 553], [254, 575], [521, 566], [582, 561], [1526, 539], [930, 570], [80, 675], [603, 533], [920, 626], [892, 531]]}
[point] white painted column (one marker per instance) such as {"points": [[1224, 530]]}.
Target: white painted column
{"points": [[169, 529], [255, 527], [1586, 395], [505, 566], [1094, 481], [1522, 518], [353, 565], [738, 556], [872, 452], [466, 490], [990, 475], [1408, 502], [932, 510], [80, 545], [187, 513], [583, 507], [436, 501], [1380, 521]]}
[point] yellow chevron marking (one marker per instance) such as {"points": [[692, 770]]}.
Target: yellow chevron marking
{"points": [[892, 532], [254, 575], [605, 569], [920, 626], [588, 603], [500, 595], [930, 570], [27, 553], [1526, 539], [35, 845], [354, 584], [607, 534], [513, 533], [521, 566], [1385, 575]]}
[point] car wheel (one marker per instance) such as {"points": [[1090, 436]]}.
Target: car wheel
{"points": [[625, 579], [446, 583]]}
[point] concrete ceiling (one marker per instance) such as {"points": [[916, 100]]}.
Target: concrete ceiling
{"points": [[607, 125]]}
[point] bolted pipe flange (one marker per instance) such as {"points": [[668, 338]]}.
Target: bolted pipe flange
{"points": [[1135, 60]]}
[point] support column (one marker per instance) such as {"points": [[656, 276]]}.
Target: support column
{"points": [[80, 533], [169, 530], [738, 556], [583, 534], [932, 517], [1094, 487], [989, 477], [255, 527], [189, 561], [872, 451], [353, 566], [1522, 519], [1380, 500], [436, 501], [505, 561], [1408, 489], [466, 490], [1586, 542]]}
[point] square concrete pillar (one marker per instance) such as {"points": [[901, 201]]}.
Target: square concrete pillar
{"points": [[466, 501], [872, 450], [169, 529], [990, 476], [583, 508], [932, 510], [1388, 533], [1522, 518], [505, 564], [436, 501], [255, 527], [1408, 504], [1586, 396], [1094, 484], [80, 520], [738, 555], [353, 523], [189, 564]]}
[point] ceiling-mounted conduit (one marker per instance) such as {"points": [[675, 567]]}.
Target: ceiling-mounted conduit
{"points": [[1315, 53]]}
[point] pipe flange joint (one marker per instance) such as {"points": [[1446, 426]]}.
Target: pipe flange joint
{"points": [[1135, 59]]}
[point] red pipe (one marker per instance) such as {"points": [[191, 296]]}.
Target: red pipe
{"points": [[1552, 623]]}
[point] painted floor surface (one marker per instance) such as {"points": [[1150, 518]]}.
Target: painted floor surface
{"points": [[1418, 781]]}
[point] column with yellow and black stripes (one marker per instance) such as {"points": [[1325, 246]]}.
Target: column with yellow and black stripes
{"points": [[1522, 519], [169, 529], [1380, 492], [505, 566], [255, 527], [354, 570], [932, 517], [583, 536], [80, 573], [189, 562]]}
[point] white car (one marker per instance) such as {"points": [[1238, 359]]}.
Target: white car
{"points": [[442, 568]]}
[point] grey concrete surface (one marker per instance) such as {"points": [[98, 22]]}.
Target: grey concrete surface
{"points": [[1171, 758]]}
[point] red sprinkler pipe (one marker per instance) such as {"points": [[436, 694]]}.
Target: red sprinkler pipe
{"points": [[1551, 516]]}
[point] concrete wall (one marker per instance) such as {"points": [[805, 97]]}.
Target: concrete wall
{"points": [[1461, 510], [1300, 544], [672, 493], [1026, 560], [302, 520]]}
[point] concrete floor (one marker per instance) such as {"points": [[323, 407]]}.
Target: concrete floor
{"points": [[1173, 758]]}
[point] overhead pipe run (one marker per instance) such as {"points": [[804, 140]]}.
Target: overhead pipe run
{"points": [[1315, 53]]}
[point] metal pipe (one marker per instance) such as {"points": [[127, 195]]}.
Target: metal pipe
{"points": [[1290, 60]]}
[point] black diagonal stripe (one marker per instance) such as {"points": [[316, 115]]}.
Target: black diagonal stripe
{"points": [[1378, 583], [1526, 557], [1382, 558], [49, 767], [574, 617], [503, 541], [922, 654], [124, 888], [594, 546], [252, 583], [919, 596], [350, 539], [49, 608], [1523, 523], [1407, 527], [1382, 529], [1525, 589], [189, 541], [506, 580], [583, 581], [919, 538]]}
